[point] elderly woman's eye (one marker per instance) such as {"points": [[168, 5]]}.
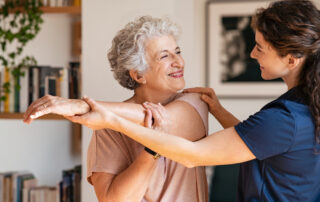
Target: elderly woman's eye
{"points": [[164, 56], [178, 52]]}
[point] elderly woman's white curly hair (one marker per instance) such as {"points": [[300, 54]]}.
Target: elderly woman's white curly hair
{"points": [[127, 51]]}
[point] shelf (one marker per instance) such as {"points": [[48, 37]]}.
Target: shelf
{"points": [[67, 10], [20, 116], [76, 10]]}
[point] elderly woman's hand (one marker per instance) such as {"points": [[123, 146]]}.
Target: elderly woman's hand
{"points": [[57, 105], [208, 96], [96, 119], [157, 117]]}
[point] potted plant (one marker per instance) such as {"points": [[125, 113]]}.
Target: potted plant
{"points": [[20, 22]]}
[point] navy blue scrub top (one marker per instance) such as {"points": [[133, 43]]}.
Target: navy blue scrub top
{"points": [[287, 168]]}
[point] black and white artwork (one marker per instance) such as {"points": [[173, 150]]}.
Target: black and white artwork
{"points": [[232, 72]]}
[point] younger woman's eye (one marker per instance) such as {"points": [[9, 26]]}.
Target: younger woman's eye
{"points": [[178, 52], [258, 49]]}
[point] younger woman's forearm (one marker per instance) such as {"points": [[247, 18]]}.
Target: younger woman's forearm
{"points": [[224, 117], [173, 147]]}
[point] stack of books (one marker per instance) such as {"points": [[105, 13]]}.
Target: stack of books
{"points": [[23, 187]]}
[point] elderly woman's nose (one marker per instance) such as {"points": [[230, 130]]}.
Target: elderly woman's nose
{"points": [[178, 60]]}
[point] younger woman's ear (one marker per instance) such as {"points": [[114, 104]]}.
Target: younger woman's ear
{"points": [[294, 62], [137, 77]]}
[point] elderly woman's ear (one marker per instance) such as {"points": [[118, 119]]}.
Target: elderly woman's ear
{"points": [[137, 77]]}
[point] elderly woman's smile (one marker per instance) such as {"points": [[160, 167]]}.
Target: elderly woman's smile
{"points": [[177, 74]]}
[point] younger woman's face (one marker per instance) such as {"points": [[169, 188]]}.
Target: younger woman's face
{"points": [[272, 66], [166, 65]]}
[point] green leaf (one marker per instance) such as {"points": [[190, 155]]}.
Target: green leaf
{"points": [[3, 46], [3, 98], [12, 55]]}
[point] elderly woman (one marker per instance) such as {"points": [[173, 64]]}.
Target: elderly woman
{"points": [[146, 59]]}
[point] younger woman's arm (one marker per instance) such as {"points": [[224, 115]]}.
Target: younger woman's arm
{"points": [[223, 147]]}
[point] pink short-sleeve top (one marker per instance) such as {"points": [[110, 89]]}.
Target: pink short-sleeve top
{"points": [[112, 152]]}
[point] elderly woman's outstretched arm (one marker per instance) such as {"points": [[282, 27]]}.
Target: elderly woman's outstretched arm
{"points": [[70, 107], [129, 111]]}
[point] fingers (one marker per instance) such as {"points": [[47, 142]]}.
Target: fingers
{"points": [[148, 119], [34, 105], [158, 112], [208, 91], [92, 104], [207, 100], [38, 111]]}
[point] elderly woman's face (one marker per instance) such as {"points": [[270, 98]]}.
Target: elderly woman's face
{"points": [[166, 65]]}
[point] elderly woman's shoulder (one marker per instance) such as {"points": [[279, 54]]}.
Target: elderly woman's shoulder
{"points": [[191, 98], [195, 96]]}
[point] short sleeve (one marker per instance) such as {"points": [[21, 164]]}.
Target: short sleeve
{"points": [[195, 101], [269, 132], [106, 153]]}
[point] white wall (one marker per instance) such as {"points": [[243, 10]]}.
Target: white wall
{"points": [[44, 147]]}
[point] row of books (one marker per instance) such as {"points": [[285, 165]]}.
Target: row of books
{"points": [[52, 3], [37, 82], [23, 187], [60, 3]]}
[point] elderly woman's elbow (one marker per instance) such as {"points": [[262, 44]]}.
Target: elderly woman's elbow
{"points": [[189, 163]]}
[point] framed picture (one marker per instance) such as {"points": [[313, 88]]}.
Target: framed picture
{"points": [[230, 70]]}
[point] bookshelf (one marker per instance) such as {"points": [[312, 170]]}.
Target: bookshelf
{"points": [[75, 10], [52, 145], [63, 10], [20, 116]]}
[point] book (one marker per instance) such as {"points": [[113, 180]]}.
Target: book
{"points": [[16, 184], [16, 92], [1, 187], [52, 81], [64, 83], [24, 95], [28, 184], [1, 93], [74, 80], [69, 189], [33, 87], [43, 194], [21, 179], [44, 71], [7, 186], [35, 83], [6, 80]]}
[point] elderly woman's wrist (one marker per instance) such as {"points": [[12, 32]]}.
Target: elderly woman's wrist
{"points": [[81, 107]]}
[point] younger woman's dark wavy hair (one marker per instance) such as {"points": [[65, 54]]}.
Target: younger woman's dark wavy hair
{"points": [[293, 27]]}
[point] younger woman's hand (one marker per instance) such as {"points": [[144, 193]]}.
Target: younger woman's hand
{"points": [[208, 96], [157, 117], [96, 119]]}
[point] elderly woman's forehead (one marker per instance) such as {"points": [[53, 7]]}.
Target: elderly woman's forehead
{"points": [[162, 40]]}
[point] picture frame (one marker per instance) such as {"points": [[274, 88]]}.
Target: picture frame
{"points": [[230, 70]]}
